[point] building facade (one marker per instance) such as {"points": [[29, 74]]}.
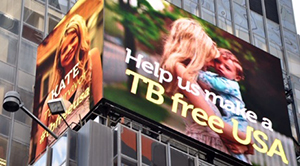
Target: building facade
{"points": [[266, 24]]}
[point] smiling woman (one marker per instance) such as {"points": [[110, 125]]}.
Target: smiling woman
{"points": [[76, 74]]}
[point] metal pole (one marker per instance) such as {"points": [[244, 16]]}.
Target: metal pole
{"points": [[37, 120], [64, 120]]}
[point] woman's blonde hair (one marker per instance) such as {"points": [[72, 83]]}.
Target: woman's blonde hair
{"points": [[78, 25], [189, 45]]}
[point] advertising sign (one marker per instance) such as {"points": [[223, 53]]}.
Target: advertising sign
{"points": [[68, 68], [179, 70], [167, 65]]}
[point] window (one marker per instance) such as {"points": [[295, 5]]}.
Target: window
{"points": [[255, 5], [271, 8], [19, 154], [153, 152], [3, 147]]}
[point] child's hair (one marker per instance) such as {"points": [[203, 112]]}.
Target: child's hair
{"points": [[188, 44], [229, 55]]}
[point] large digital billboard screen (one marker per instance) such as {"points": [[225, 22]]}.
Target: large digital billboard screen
{"points": [[68, 67], [187, 74]]}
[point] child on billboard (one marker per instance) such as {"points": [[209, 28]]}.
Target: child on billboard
{"points": [[187, 50], [225, 83]]}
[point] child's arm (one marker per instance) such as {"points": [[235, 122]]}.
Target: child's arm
{"points": [[220, 84]]}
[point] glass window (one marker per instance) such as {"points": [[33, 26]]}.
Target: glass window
{"points": [[129, 144], [32, 34], [72, 145], [297, 96], [274, 32], [153, 152], [293, 124], [54, 13], [294, 64], [257, 24], [224, 9], [179, 159], [287, 18], [11, 8], [255, 5], [240, 16], [241, 22], [21, 132], [28, 57], [9, 23], [26, 81], [3, 148], [9, 48], [4, 87], [241, 2], [242, 33], [53, 21], [176, 2], [42, 161], [126, 162], [271, 10], [34, 12], [115, 142], [5, 124], [61, 5], [7, 72], [19, 154], [208, 16], [225, 24], [260, 42], [291, 42], [59, 151], [208, 4], [287, 3], [190, 6], [10, 14], [276, 51], [27, 99]]}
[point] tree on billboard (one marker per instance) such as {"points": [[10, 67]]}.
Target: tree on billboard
{"points": [[141, 22]]}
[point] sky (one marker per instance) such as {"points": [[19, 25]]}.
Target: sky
{"points": [[296, 3]]}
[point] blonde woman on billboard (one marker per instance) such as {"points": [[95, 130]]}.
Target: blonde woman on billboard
{"points": [[76, 78], [187, 50]]}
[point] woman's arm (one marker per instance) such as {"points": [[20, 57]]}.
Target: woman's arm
{"points": [[97, 74], [200, 102]]}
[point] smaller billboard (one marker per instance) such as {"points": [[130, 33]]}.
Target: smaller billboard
{"points": [[68, 68]]}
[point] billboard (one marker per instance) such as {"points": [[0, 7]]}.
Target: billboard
{"points": [[69, 68], [183, 72], [168, 65]]}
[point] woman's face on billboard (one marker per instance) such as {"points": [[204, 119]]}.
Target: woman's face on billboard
{"points": [[69, 48]]}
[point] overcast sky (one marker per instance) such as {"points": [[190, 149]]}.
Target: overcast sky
{"points": [[296, 3]]}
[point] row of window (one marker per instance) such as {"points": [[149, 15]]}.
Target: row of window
{"points": [[15, 149]]}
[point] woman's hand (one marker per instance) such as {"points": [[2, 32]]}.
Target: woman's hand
{"points": [[238, 148]]}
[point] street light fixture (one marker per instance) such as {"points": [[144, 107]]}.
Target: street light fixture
{"points": [[57, 106], [12, 103]]}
